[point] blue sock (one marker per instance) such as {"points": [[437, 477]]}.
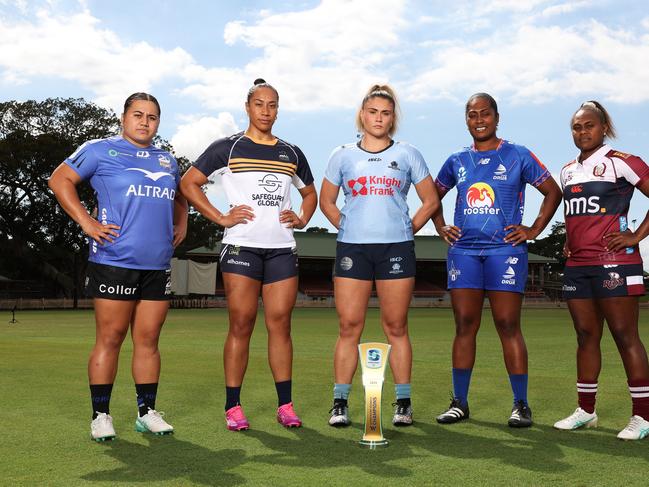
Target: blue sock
{"points": [[402, 391], [283, 392], [341, 391], [461, 381], [519, 387]]}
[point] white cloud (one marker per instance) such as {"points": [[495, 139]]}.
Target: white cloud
{"points": [[317, 58], [192, 138], [75, 48], [563, 8], [541, 63]]}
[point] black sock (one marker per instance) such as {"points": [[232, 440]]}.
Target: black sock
{"points": [[146, 394], [283, 392], [100, 397], [339, 401], [232, 397]]}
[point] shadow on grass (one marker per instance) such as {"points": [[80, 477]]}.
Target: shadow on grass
{"points": [[168, 458], [311, 449]]}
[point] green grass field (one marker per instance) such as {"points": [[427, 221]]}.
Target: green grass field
{"points": [[45, 410]]}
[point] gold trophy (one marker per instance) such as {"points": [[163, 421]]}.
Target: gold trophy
{"points": [[374, 358]]}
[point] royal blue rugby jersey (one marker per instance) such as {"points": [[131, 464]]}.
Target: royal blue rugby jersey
{"points": [[375, 185], [490, 195], [135, 189], [258, 174]]}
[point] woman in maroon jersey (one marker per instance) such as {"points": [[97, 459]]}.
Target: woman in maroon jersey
{"points": [[603, 274]]}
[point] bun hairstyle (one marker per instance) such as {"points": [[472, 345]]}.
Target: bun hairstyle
{"points": [[260, 83], [141, 96], [387, 93], [486, 96], [597, 108]]}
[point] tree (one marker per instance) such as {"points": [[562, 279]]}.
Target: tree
{"points": [[552, 245], [317, 230], [37, 237]]}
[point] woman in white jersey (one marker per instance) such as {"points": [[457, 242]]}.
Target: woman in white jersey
{"points": [[375, 242], [258, 253]]}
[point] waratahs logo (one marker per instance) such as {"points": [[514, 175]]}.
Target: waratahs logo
{"points": [[480, 199], [358, 186]]}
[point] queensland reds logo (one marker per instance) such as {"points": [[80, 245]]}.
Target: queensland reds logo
{"points": [[614, 281], [358, 186], [480, 198], [599, 170]]}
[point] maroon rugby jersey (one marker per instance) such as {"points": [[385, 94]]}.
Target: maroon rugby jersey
{"points": [[596, 194]]}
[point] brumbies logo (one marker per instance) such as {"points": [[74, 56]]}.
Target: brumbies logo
{"points": [[614, 281]]}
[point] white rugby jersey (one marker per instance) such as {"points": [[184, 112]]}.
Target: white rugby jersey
{"points": [[597, 193], [258, 174]]}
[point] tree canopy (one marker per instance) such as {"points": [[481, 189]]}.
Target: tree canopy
{"points": [[38, 239]]}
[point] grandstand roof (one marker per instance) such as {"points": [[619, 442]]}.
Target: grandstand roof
{"points": [[323, 246]]}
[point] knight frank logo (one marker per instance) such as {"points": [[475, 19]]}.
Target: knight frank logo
{"points": [[358, 186]]}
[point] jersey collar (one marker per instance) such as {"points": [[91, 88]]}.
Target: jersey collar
{"points": [[595, 156]]}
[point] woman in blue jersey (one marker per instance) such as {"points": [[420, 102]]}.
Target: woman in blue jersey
{"points": [[488, 249], [375, 242], [141, 218], [258, 256]]}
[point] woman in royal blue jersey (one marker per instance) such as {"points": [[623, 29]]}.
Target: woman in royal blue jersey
{"points": [[488, 250], [375, 242], [141, 218], [603, 274], [258, 256]]}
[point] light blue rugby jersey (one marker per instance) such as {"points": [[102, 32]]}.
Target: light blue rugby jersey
{"points": [[135, 189], [490, 195], [375, 185]]}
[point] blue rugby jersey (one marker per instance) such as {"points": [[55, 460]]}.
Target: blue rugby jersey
{"points": [[375, 185], [135, 189], [490, 195]]}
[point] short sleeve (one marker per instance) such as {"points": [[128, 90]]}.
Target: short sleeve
{"points": [[83, 161], [333, 173], [215, 157], [533, 171], [303, 176], [632, 168], [446, 176], [418, 168]]}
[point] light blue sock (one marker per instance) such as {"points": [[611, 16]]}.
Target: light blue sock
{"points": [[402, 391], [341, 391]]}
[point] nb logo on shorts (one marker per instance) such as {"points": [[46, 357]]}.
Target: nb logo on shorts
{"points": [[512, 260]]}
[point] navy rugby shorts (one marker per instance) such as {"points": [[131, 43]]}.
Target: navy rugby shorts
{"points": [[368, 262], [602, 281], [265, 265], [119, 283]]}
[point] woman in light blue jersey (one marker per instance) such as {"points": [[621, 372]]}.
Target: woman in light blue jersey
{"points": [[141, 218], [375, 242], [488, 250]]}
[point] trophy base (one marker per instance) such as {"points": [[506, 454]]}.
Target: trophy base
{"points": [[373, 444]]}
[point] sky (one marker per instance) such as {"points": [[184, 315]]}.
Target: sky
{"points": [[540, 59]]}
